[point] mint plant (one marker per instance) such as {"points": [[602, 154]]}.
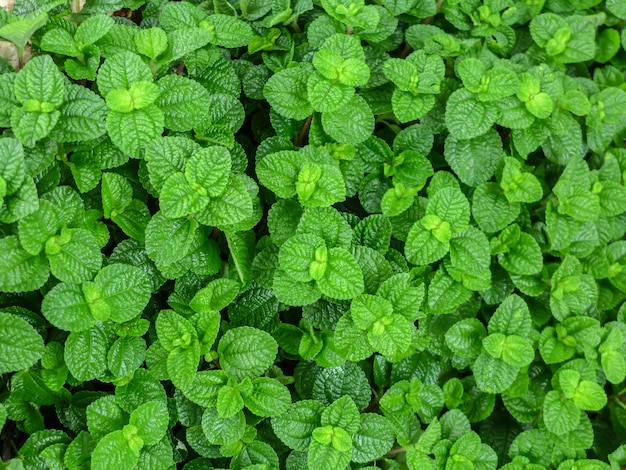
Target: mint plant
{"points": [[313, 235]]}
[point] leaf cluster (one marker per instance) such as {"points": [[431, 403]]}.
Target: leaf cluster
{"points": [[313, 235]]}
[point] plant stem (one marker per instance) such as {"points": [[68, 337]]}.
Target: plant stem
{"points": [[304, 131]]}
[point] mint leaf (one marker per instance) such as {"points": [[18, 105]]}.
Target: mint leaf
{"points": [[296, 425], [246, 352], [286, 91], [21, 346], [467, 117]]}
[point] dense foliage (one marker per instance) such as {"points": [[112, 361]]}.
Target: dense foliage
{"points": [[329, 234]]}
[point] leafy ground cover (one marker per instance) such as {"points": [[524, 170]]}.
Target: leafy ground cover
{"points": [[297, 234]]}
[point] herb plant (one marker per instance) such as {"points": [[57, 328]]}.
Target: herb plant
{"points": [[297, 234]]}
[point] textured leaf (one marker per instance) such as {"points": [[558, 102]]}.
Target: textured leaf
{"points": [[268, 397], [122, 71], [151, 420], [220, 430], [350, 124], [466, 117], [20, 345], [168, 240], [295, 426], [560, 415], [74, 255], [247, 352], [286, 91], [474, 160], [184, 102], [113, 450], [343, 278], [132, 131], [227, 31], [82, 116], [20, 271], [40, 80], [85, 353]]}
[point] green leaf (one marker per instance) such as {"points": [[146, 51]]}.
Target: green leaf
{"points": [[21, 271], [122, 71], [331, 383], [217, 295], [279, 172], [174, 330], [589, 395], [132, 132], [512, 317], [560, 415], [61, 42], [428, 241], [617, 8], [465, 337], [74, 255], [179, 199], [373, 439], [227, 31], [367, 309], [320, 185], [350, 124], [342, 413], [151, 420], [268, 397], [119, 290], [220, 430], [391, 336], [169, 240], [470, 258], [445, 294], [343, 278], [328, 224], [352, 341], [20, 345], [82, 116], [326, 96], [229, 401], [493, 375], [451, 205], [234, 205], [184, 102], [296, 425], [20, 31], [466, 117], [116, 194], [31, 127], [209, 168], [303, 257], [40, 82], [474, 160], [151, 42], [85, 353], [93, 28], [326, 456], [247, 352], [523, 257], [126, 355], [12, 165], [514, 350], [65, 307], [182, 364], [286, 91], [114, 450], [492, 211]]}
